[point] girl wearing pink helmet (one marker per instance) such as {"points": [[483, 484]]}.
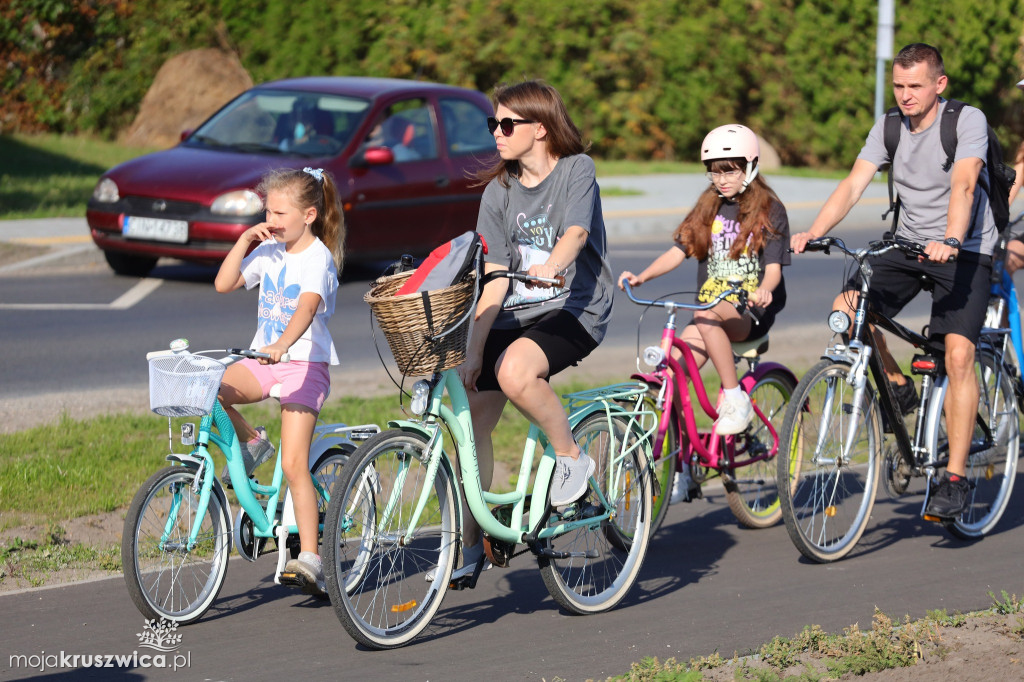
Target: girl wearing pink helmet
{"points": [[738, 228]]}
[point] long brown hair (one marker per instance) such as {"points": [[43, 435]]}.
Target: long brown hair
{"points": [[694, 233], [537, 101], [307, 190]]}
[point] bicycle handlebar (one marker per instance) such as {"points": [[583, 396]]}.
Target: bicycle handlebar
{"points": [[558, 280], [875, 248], [234, 354], [735, 289]]}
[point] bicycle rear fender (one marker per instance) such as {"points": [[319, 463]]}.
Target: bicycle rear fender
{"points": [[750, 379], [649, 378], [193, 463]]}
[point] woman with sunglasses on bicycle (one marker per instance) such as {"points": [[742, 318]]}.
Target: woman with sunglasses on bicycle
{"points": [[738, 229], [541, 213]]}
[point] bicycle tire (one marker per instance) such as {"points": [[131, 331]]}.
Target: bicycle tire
{"points": [[609, 560], [991, 471], [375, 574], [166, 579], [665, 466], [828, 500], [752, 491]]}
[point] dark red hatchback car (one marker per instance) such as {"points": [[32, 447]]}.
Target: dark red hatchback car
{"points": [[401, 152]]}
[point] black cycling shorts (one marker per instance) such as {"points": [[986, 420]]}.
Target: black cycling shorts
{"points": [[959, 299], [559, 334]]}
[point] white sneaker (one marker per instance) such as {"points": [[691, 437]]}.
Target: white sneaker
{"points": [[309, 567], [570, 478], [734, 415], [681, 485]]}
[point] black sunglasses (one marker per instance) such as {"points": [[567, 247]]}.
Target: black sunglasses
{"points": [[508, 125]]}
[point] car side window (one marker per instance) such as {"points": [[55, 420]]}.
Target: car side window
{"points": [[407, 129], [465, 127]]}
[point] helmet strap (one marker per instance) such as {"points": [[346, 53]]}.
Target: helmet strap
{"points": [[750, 175]]}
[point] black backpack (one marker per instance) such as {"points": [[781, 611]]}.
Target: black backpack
{"points": [[1000, 175]]}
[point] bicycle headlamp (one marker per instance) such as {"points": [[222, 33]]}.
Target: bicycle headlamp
{"points": [[420, 395], [653, 356], [839, 322]]}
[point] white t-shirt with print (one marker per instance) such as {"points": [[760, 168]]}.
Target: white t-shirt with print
{"points": [[282, 278]]}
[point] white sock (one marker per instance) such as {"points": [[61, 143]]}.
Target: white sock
{"points": [[733, 392]]}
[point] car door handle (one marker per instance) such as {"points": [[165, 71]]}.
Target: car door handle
{"points": [[442, 181]]}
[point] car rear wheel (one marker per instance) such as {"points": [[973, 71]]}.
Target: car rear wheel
{"points": [[129, 266]]}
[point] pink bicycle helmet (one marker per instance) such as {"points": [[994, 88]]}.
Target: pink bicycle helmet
{"points": [[732, 141]]}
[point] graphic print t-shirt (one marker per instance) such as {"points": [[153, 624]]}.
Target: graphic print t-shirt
{"points": [[522, 224], [715, 271], [282, 278]]}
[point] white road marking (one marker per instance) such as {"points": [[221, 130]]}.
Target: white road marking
{"points": [[126, 300]]}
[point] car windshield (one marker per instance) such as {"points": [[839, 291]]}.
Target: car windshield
{"points": [[283, 122]]}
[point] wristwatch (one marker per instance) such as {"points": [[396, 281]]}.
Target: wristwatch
{"points": [[952, 241]]}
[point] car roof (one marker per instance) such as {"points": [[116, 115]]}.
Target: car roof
{"points": [[360, 86]]}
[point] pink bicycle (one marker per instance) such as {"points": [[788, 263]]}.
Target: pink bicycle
{"points": [[745, 463]]}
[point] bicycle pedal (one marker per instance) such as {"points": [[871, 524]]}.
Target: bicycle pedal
{"points": [[299, 581]]}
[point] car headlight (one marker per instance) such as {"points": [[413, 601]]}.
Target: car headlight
{"points": [[106, 191], [239, 202]]}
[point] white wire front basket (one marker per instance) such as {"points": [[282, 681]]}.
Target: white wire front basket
{"points": [[183, 385]]}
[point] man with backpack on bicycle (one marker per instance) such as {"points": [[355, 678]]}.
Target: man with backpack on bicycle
{"points": [[944, 206]]}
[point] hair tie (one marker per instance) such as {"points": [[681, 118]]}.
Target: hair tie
{"points": [[317, 173]]}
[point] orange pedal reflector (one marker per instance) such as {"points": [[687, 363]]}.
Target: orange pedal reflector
{"points": [[990, 471], [929, 517], [401, 608]]}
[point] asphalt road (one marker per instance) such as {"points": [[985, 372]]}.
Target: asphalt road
{"points": [[706, 586]]}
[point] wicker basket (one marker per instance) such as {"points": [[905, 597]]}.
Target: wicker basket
{"points": [[408, 327]]}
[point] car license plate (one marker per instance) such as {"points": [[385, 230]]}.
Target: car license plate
{"points": [[158, 229]]}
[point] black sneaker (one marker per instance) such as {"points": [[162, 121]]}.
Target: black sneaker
{"points": [[949, 498], [906, 398], [906, 395]]}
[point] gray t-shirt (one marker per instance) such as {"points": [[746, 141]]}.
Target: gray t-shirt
{"points": [[522, 224], [923, 186]]}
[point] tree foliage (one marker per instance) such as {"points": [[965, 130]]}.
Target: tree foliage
{"points": [[643, 78]]}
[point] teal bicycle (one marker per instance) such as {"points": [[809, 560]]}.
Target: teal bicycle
{"points": [[393, 529], [179, 531]]}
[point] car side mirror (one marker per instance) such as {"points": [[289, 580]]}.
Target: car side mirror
{"points": [[372, 156], [186, 133]]}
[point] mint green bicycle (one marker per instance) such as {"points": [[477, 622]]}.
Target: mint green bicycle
{"points": [[393, 528], [178, 532]]}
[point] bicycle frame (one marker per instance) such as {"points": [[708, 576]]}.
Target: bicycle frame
{"points": [[265, 525], [459, 423]]}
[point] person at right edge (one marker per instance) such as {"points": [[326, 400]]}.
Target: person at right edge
{"points": [[948, 213]]}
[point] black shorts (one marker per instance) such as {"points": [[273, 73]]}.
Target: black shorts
{"points": [[559, 334], [959, 299]]}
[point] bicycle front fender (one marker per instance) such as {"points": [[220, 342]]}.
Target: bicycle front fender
{"points": [[194, 463], [446, 461]]}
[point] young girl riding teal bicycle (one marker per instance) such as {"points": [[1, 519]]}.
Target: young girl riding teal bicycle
{"points": [[295, 265], [737, 230]]}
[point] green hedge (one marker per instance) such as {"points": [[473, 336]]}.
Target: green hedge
{"points": [[644, 78]]}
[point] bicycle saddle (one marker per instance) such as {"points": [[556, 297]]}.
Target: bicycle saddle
{"points": [[750, 348]]}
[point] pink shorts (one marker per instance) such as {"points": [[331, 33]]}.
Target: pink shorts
{"points": [[304, 383]]}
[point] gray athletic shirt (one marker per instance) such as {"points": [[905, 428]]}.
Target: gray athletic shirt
{"points": [[522, 224], [923, 186]]}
